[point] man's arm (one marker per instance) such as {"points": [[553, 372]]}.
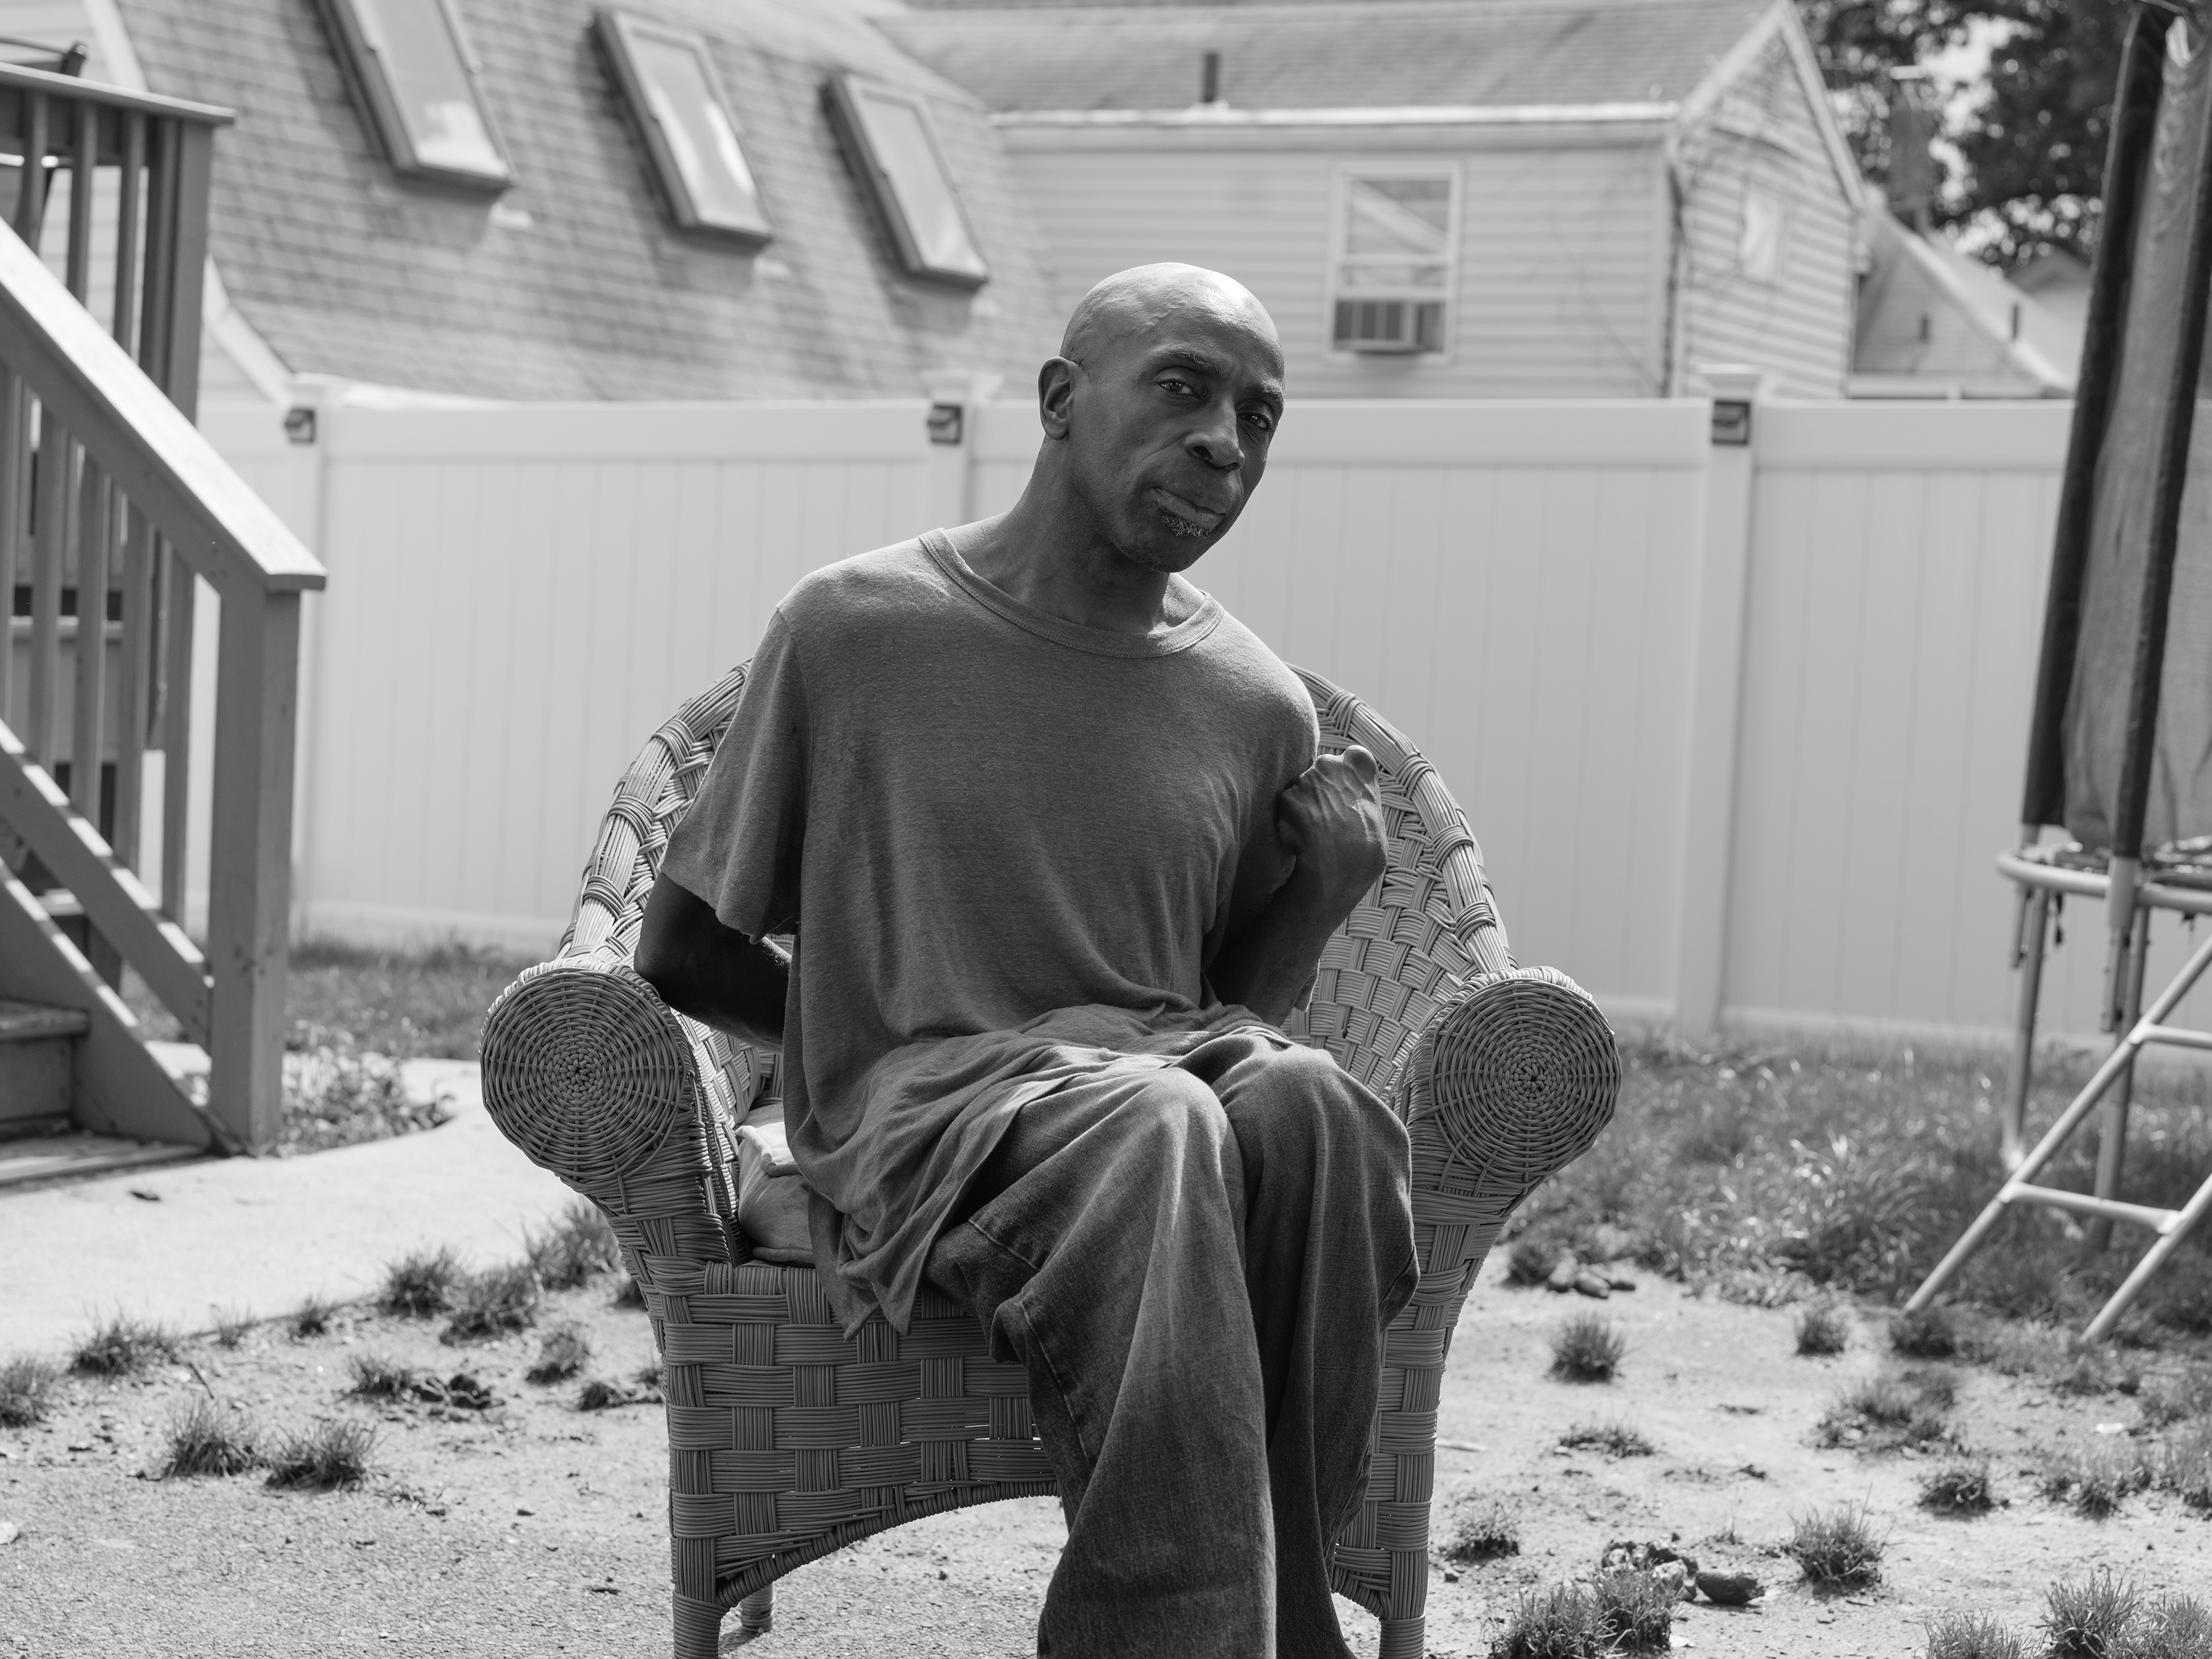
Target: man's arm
{"points": [[1330, 821], [713, 973]]}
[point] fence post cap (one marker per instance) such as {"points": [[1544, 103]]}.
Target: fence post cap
{"points": [[1739, 382]]}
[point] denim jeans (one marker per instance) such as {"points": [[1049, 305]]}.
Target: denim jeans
{"points": [[1196, 1261]]}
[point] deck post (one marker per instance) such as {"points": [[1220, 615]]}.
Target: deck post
{"points": [[250, 873]]}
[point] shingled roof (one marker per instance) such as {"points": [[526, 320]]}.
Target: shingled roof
{"points": [[575, 286], [1384, 54]]}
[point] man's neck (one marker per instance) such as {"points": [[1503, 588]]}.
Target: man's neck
{"points": [[1069, 571]]}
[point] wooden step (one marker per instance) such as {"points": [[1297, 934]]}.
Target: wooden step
{"points": [[37, 1046], [73, 1153]]}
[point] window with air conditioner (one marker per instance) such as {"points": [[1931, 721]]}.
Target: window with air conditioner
{"points": [[666, 78], [1391, 275], [411, 65]]}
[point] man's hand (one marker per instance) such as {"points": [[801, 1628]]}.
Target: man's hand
{"points": [[1330, 820]]}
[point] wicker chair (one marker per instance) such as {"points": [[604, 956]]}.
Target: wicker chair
{"points": [[786, 1440]]}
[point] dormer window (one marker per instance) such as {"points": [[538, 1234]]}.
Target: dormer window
{"points": [[410, 62], [893, 148], [677, 105]]}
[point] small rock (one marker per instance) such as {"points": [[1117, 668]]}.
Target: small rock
{"points": [[9, 1531], [1676, 1578], [1609, 1243], [78, 1445], [148, 1194], [1729, 1589], [1620, 1281], [1563, 1276], [1590, 1284], [1450, 1577], [519, 1510]]}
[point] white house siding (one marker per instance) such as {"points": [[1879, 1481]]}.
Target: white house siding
{"points": [[1562, 252], [1762, 133]]}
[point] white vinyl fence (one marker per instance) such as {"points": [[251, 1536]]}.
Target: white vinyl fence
{"points": [[1740, 729]]}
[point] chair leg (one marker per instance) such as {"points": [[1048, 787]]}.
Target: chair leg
{"points": [[1404, 1639], [756, 1613], [698, 1628]]}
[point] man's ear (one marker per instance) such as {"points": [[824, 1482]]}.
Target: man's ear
{"points": [[1056, 395]]}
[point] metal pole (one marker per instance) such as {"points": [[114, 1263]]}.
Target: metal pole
{"points": [[2027, 957], [2112, 1131]]}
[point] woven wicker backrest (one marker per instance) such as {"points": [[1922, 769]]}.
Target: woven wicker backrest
{"points": [[1429, 926]]}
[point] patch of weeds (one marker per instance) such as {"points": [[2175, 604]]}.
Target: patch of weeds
{"points": [[578, 1245], [28, 1386], [560, 1355], [2174, 1626], [2097, 1477], [2017, 1350], [333, 1452], [1482, 1529], [1635, 1612], [2087, 1617], [1586, 1348], [498, 1299], [1721, 1133], [1616, 1439], [206, 1436], [232, 1325], [1530, 1260], [1559, 1623], [2095, 1371], [652, 1375], [2178, 1399], [1928, 1334], [338, 1094], [121, 1346], [629, 1293], [1891, 1410], [1824, 1328], [1972, 1636], [311, 1318], [2184, 1465], [375, 1377], [1958, 1486], [421, 1283], [1837, 1548]]}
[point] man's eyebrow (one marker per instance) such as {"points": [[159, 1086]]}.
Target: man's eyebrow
{"points": [[1221, 369]]}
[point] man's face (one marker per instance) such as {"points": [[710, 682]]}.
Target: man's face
{"points": [[1171, 422]]}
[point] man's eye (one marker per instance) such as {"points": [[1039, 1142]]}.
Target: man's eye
{"points": [[1177, 384], [1261, 418]]}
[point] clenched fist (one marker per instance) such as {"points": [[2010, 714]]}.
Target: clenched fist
{"points": [[1330, 821]]}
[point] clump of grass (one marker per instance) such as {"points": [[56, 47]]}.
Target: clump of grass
{"points": [[1530, 1260], [2095, 1371], [1616, 1439], [1836, 1549], [312, 1317], [1559, 1623], [375, 1377], [2174, 1626], [1972, 1636], [1927, 1334], [2184, 1465], [2098, 1478], [1586, 1348], [232, 1325], [578, 1245], [498, 1299], [599, 1395], [121, 1346], [27, 1385], [207, 1438], [629, 1293], [420, 1283], [333, 1452], [2178, 1399], [560, 1355], [1824, 1328], [1635, 1613], [2087, 1617], [1890, 1410], [1482, 1530], [1958, 1486]]}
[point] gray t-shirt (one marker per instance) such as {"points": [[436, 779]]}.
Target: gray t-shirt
{"points": [[1009, 846]]}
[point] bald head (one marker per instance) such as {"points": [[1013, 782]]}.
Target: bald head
{"points": [[1132, 304]]}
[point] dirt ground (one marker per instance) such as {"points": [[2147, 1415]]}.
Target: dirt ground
{"points": [[536, 1529]]}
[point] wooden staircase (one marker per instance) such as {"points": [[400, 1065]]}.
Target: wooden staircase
{"points": [[114, 512]]}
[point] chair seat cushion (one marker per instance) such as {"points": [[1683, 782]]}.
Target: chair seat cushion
{"points": [[771, 1196]]}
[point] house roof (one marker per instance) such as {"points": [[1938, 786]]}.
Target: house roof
{"points": [[572, 284], [1929, 313], [1330, 54]]}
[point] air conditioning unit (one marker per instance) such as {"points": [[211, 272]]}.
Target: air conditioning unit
{"points": [[1390, 327]]}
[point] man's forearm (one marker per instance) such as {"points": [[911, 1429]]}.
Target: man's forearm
{"points": [[713, 974], [1269, 966]]}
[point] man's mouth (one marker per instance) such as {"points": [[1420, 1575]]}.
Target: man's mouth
{"points": [[1185, 517]]}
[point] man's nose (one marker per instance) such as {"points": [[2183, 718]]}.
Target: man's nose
{"points": [[1217, 442]]}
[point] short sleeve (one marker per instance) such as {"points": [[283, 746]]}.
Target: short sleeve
{"points": [[739, 845]]}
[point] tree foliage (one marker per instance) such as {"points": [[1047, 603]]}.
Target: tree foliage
{"points": [[2032, 143]]}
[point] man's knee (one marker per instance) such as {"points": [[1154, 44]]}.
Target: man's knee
{"points": [[1287, 1104]]}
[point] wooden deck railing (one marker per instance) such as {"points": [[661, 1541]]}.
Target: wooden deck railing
{"points": [[110, 503]]}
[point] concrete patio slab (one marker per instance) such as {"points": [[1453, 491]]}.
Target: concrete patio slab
{"points": [[262, 1234]]}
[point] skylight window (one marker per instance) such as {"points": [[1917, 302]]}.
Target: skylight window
{"points": [[676, 101], [411, 61], [893, 147]]}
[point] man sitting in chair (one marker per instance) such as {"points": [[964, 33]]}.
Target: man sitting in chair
{"points": [[1050, 828]]}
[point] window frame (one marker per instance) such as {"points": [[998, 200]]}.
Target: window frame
{"points": [[1340, 225], [615, 32], [1778, 203], [843, 106], [360, 55]]}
